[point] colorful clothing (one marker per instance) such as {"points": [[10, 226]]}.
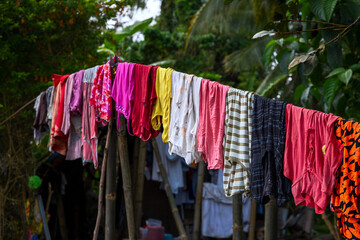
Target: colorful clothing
{"points": [[161, 111], [312, 156], [144, 101], [123, 91], [211, 122], [76, 101], [346, 195], [182, 130], [267, 152], [237, 142], [89, 128], [58, 141]]}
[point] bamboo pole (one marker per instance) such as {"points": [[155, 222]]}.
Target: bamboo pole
{"points": [[43, 217], [237, 216], [110, 195], [169, 194], [140, 186], [102, 178], [198, 201], [252, 220], [271, 220], [61, 216], [126, 177]]}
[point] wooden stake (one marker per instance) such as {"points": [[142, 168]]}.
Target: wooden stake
{"points": [[169, 194], [126, 177], [198, 201], [271, 220], [102, 178], [140, 186], [237, 216], [252, 220], [110, 195]]}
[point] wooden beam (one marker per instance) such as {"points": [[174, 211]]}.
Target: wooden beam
{"points": [[126, 177], [252, 220], [110, 194], [102, 178], [174, 209], [198, 201], [237, 216], [271, 220], [140, 186]]}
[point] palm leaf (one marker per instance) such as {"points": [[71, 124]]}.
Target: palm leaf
{"points": [[274, 78]]}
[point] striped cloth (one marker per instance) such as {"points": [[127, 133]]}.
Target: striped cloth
{"points": [[237, 142]]}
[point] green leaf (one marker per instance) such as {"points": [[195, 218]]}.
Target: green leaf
{"points": [[346, 76], [132, 29], [329, 6], [316, 93], [355, 67], [336, 71], [298, 92], [269, 50], [270, 82], [329, 90], [305, 95], [323, 9]]}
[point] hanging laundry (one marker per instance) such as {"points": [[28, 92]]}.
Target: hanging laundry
{"points": [[345, 200], [40, 123], [312, 156], [211, 122], [267, 152], [72, 119], [184, 116], [50, 100], [76, 102], [123, 91], [89, 128], [172, 165], [101, 93], [144, 101], [216, 214], [237, 141], [58, 140], [161, 111]]}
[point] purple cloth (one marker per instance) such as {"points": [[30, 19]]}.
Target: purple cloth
{"points": [[76, 103], [123, 90], [65, 127]]}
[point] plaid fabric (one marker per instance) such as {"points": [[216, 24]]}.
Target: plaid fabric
{"points": [[237, 142], [267, 153]]}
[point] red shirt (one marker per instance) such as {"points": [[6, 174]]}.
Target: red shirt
{"points": [[144, 101]]}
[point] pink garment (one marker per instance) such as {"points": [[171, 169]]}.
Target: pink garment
{"points": [[312, 156], [211, 122], [89, 128], [123, 91], [65, 127], [96, 91]]}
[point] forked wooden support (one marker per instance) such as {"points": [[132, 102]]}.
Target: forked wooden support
{"points": [[174, 209]]}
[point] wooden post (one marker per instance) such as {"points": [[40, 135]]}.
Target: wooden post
{"points": [[126, 177], [110, 195], [102, 178], [237, 216], [271, 220], [169, 194], [140, 186], [252, 220], [198, 201]]}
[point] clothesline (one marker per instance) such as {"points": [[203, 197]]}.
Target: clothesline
{"points": [[265, 147]]}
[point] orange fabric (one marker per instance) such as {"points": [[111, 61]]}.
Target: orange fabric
{"points": [[345, 199]]}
